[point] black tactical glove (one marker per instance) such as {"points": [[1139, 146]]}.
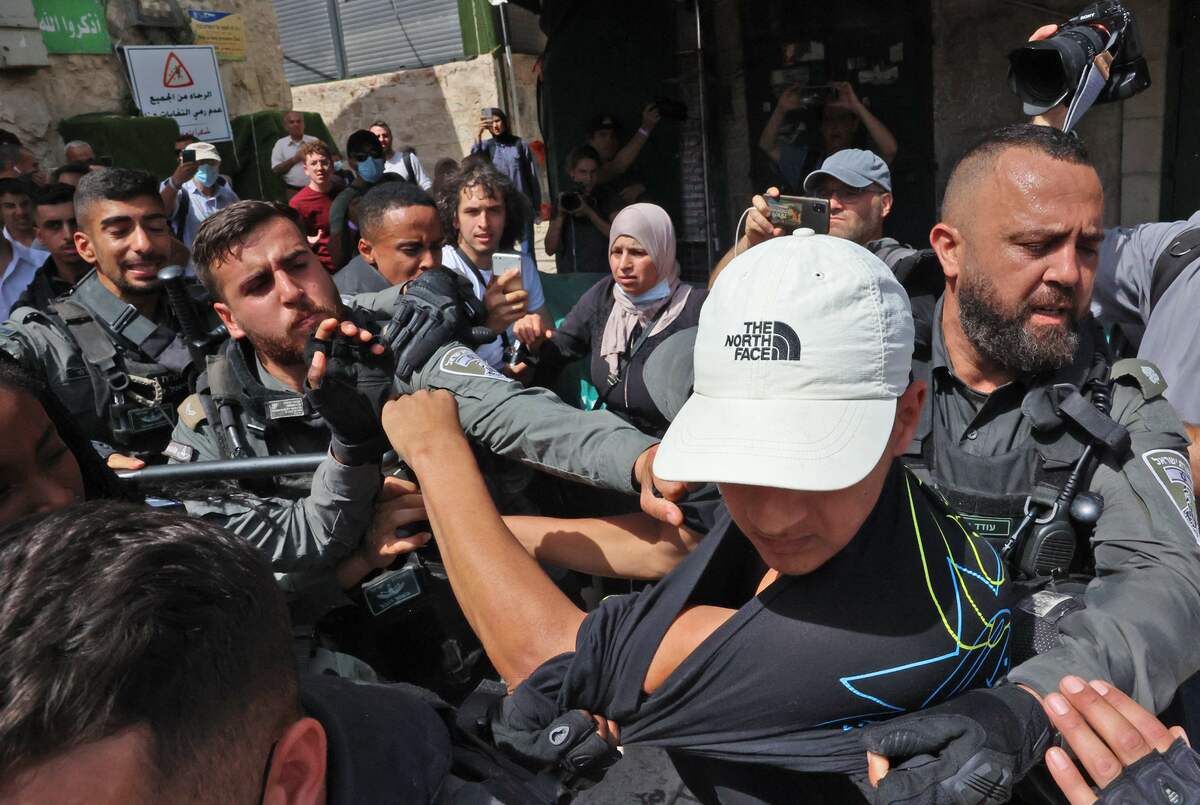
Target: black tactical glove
{"points": [[1160, 778], [969, 750], [351, 396], [569, 741], [437, 307]]}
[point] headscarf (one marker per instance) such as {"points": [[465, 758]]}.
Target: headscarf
{"points": [[650, 226]]}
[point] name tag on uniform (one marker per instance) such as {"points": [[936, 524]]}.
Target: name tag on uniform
{"points": [[988, 526], [391, 589], [285, 409], [183, 453]]}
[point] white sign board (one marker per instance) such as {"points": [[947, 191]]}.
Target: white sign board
{"points": [[181, 82]]}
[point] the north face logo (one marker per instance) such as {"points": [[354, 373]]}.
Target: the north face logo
{"points": [[764, 341]]}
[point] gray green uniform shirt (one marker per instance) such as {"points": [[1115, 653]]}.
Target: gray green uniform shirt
{"points": [[1121, 296], [1143, 607]]}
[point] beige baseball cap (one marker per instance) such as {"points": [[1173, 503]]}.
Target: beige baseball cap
{"points": [[804, 345]]}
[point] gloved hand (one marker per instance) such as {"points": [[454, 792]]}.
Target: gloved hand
{"points": [[571, 741], [969, 750], [352, 390], [451, 294], [1160, 778], [436, 308]]}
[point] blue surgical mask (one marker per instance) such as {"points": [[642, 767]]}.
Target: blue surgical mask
{"points": [[337, 165], [207, 175], [656, 294], [370, 169]]}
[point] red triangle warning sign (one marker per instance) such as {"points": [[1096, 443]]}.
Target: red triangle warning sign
{"points": [[175, 75]]}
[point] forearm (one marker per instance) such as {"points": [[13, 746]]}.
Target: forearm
{"points": [[313, 532], [553, 235], [633, 546], [599, 221], [169, 195], [768, 141], [623, 160], [739, 246], [883, 138], [351, 570], [519, 615], [283, 167]]}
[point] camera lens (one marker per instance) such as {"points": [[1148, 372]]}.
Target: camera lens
{"points": [[1046, 73]]}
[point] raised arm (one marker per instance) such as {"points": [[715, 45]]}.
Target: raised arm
{"points": [[627, 546], [628, 154], [520, 616]]}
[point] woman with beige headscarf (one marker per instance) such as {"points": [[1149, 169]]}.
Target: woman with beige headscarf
{"points": [[623, 317]]}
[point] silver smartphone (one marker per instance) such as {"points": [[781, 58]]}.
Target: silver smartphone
{"points": [[506, 261]]}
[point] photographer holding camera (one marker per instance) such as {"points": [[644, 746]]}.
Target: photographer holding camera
{"points": [[578, 235], [843, 115]]}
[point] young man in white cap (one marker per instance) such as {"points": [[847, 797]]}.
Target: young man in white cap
{"points": [[190, 200], [833, 590]]}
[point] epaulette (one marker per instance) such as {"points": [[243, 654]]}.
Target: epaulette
{"points": [[1144, 374]]}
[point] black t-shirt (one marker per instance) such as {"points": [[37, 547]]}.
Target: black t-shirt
{"points": [[580, 334], [912, 611], [583, 247]]}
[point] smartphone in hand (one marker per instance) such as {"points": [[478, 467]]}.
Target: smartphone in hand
{"points": [[793, 212], [503, 262]]}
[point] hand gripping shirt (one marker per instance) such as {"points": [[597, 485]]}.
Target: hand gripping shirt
{"points": [[911, 612]]}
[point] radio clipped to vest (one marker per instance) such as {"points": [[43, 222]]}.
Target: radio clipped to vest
{"points": [[1046, 541]]}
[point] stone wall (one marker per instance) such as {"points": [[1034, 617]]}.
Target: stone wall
{"points": [[34, 100], [433, 109], [971, 96]]}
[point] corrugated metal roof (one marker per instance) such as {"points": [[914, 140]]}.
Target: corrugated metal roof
{"points": [[385, 35], [306, 34]]}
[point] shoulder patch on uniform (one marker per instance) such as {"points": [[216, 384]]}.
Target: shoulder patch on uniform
{"points": [[1145, 374], [463, 361], [1174, 474], [191, 411]]}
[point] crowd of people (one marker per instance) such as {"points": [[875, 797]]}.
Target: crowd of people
{"points": [[290, 511]]}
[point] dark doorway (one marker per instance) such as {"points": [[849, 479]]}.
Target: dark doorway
{"points": [[1181, 149], [884, 51]]}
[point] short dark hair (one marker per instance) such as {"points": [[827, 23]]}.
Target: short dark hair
{"points": [[15, 186], [225, 230], [114, 615], [8, 138], [493, 183], [113, 184], [10, 153], [79, 168], [386, 196], [579, 153], [981, 156], [53, 193], [362, 139]]}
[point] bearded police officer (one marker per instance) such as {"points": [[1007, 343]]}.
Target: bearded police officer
{"points": [[1022, 393], [1020, 385], [110, 351]]}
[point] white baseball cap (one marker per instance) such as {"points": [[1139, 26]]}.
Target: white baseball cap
{"points": [[804, 345]]}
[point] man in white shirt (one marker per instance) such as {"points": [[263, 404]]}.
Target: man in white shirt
{"points": [[16, 211], [483, 214], [190, 201], [403, 163], [284, 159], [18, 270]]}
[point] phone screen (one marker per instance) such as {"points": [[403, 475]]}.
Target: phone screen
{"points": [[189, 155], [792, 212]]}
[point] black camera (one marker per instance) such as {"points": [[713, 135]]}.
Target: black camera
{"points": [[570, 202], [1046, 73], [671, 109]]}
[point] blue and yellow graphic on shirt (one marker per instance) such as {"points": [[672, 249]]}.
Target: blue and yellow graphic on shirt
{"points": [[965, 595]]}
